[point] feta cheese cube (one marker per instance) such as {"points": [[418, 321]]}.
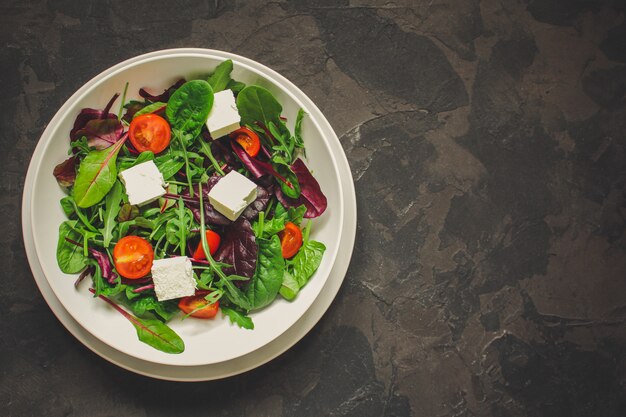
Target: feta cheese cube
{"points": [[173, 278], [224, 117], [232, 194], [144, 183]]}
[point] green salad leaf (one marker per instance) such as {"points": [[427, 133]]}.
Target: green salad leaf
{"points": [[266, 282], [70, 257], [96, 175]]}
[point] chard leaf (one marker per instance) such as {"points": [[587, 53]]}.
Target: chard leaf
{"points": [[256, 104], [238, 318], [268, 277], [96, 175], [152, 332], [101, 133], [220, 78], [150, 108], [112, 208], [70, 257], [189, 107]]}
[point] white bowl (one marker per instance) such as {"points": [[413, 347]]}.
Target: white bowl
{"points": [[206, 342]]}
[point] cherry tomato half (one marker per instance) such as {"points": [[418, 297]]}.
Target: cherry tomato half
{"points": [[290, 240], [189, 304], [248, 140], [133, 257], [213, 239], [149, 132]]}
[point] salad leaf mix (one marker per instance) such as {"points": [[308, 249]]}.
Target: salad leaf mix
{"points": [[238, 266]]}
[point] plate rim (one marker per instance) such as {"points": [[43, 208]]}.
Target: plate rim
{"points": [[339, 158], [262, 71]]}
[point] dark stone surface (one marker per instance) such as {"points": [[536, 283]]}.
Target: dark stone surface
{"points": [[488, 145]]}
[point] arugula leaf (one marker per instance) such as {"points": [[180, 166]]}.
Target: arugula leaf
{"points": [[256, 104], [168, 164], [297, 130], [189, 107], [96, 175], [238, 318], [296, 214], [266, 282], [112, 204], [220, 79], [70, 257]]}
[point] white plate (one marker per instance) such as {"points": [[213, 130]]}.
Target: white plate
{"points": [[206, 342], [224, 369]]}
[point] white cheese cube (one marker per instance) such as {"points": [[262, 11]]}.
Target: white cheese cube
{"points": [[173, 278], [232, 194], [144, 183], [224, 117]]}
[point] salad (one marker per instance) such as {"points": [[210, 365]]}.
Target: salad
{"points": [[189, 202]]}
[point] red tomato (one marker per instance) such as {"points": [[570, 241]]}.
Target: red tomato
{"points": [[248, 140], [189, 304], [149, 132], [213, 239], [290, 240], [133, 257]]}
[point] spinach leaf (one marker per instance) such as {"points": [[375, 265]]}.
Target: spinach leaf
{"points": [[290, 287], [268, 278], [189, 107], [307, 260], [220, 78], [150, 108], [238, 318], [152, 332], [96, 175], [68, 206], [112, 204], [256, 104], [235, 86], [70, 257]]}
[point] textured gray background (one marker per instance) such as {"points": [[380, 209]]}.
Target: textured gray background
{"points": [[487, 143]]}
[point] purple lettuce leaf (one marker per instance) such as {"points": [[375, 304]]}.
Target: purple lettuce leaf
{"points": [[311, 196], [211, 216], [263, 196], [65, 172], [165, 95], [132, 108], [239, 249], [88, 114], [105, 265], [256, 167], [102, 133]]}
